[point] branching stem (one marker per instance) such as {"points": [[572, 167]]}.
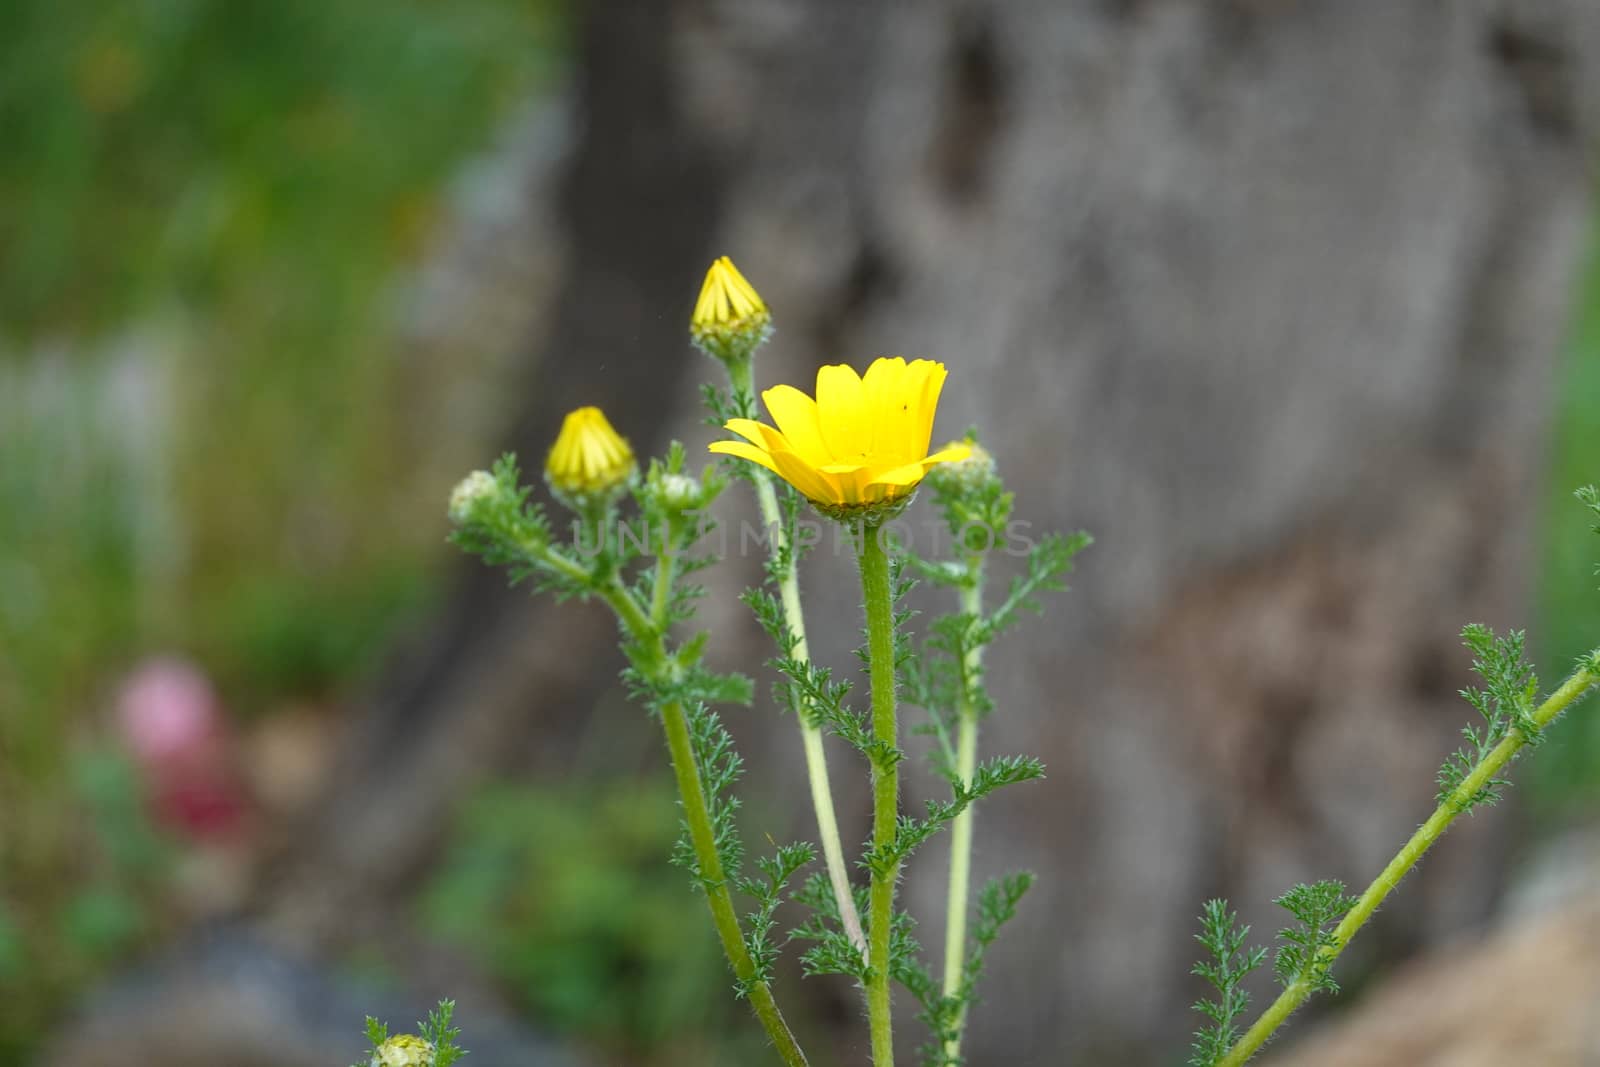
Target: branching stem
{"points": [[696, 810], [1487, 769]]}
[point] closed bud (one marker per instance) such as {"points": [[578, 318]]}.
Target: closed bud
{"points": [[473, 490], [404, 1050], [964, 475], [590, 462], [676, 492], [730, 319]]}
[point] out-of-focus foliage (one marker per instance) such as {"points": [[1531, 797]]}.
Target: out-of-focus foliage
{"points": [[569, 898], [1569, 599], [206, 207], [260, 156]]}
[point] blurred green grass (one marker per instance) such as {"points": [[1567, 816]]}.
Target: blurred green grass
{"points": [[567, 896], [206, 207], [1566, 775]]}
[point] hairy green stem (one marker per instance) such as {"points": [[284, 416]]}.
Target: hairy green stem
{"points": [[713, 879], [1487, 769], [651, 631], [661, 595], [878, 599], [955, 922], [740, 376], [618, 596]]}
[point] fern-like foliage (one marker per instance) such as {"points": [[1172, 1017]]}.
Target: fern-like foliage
{"points": [[943, 1015], [1317, 909], [720, 767], [910, 832], [1226, 965], [437, 1030], [1048, 564], [767, 891], [831, 952], [1505, 703]]}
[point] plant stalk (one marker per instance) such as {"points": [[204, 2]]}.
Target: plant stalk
{"points": [[1296, 992], [878, 599], [955, 926], [740, 376], [697, 813], [713, 879]]}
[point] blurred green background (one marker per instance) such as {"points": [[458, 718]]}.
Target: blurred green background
{"points": [[210, 215]]}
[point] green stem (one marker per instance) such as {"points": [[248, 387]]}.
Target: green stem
{"points": [[1487, 769], [879, 601], [955, 925], [714, 880], [696, 811], [740, 376], [622, 601], [666, 565]]}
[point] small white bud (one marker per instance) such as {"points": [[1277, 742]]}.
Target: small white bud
{"points": [[477, 486], [677, 491]]}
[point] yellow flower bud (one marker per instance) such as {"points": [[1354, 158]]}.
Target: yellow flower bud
{"points": [[589, 460], [730, 318], [404, 1050]]}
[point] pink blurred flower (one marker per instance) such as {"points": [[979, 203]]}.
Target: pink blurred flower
{"points": [[172, 722], [166, 708]]}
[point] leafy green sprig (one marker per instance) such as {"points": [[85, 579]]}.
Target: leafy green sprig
{"points": [[436, 1030], [945, 1013], [1228, 962], [1308, 944], [1514, 718], [1505, 703]]}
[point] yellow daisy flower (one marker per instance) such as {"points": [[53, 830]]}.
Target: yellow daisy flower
{"points": [[862, 442], [589, 458]]}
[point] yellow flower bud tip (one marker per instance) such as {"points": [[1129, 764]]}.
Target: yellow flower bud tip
{"points": [[859, 448], [403, 1050], [730, 318], [589, 458], [464, 499], [726, 298]]}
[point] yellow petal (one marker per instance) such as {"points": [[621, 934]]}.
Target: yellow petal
{"points": [[811, 482], [796, 416], [884, 388], [929, 377], [758, 434], [905, 475], [953, 453], [786, 465], [842, 411], [744, 451]]}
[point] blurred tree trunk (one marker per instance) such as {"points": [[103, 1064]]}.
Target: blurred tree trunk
{"points": [[1264, 293]]}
